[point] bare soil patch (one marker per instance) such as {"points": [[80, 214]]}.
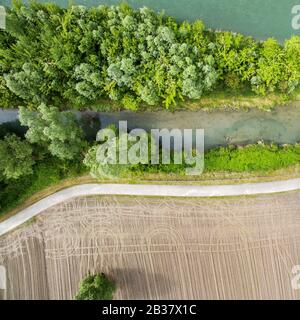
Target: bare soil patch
{"points": [[239, 248]]}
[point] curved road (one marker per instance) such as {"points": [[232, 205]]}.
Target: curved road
{"points": [[147, 190]]}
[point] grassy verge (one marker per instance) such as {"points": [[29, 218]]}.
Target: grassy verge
{"points": [[48, 173], [209, 178], [253, 163], [217, 178], [29, 199], [219, 99], [239, 100]]}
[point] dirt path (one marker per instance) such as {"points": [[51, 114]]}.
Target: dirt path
{"points": [[181, 191]]}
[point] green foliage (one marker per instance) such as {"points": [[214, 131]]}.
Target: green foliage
{"points": [[108, 151], [96, 287], [103, 170], [252, 158], [59, 131], [236, 57], [26, 84], [7, 98], [270, 68], [78, 56], [49, 171], [16, 158], [292, 67]]}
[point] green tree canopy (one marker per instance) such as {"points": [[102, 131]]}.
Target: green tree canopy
{"points": [[79, 56], [15, 157], [96, 287], [58, 131]]}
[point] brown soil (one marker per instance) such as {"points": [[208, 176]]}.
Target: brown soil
{"points": [[239, 248]]}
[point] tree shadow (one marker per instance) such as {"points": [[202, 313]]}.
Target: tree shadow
{"points": [[138, 284]]}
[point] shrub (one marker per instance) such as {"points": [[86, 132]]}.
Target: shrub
{"points": [[270, 68], [44, 173], [16, 158], [252, 158], [96, 287]]}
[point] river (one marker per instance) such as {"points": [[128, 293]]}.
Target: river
{"points": [[222, 127]]}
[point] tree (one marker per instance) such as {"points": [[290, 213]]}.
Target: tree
{"points": [[105, 169], [270, 68], [27, 83], [292, 68], [58, 131], [15, 157], [96, 287], [103, 158]]}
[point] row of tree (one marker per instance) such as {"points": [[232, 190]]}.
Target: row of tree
{"points": [[50, 132], [78, 55]]}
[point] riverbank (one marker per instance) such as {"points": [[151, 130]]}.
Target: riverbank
{"points": [[222, 100]]}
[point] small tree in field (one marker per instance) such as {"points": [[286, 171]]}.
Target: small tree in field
{"points": [[96, 287]]}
